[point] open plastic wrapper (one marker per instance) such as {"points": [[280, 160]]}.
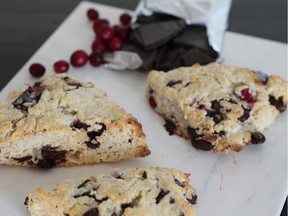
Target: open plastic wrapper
{"points": [[165, 28]]}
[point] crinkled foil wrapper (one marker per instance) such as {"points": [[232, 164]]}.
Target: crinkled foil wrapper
{"points": [[211, 13]]}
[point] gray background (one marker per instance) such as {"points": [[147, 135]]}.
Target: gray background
{"points": [[26, 24]]}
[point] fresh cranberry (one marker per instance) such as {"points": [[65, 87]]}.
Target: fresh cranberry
{"points": [[99, 45], [106, 33], [79, 58], [115, 44], [124, 33], [247, 95], [125, 19], [92, 14], [98, 24], [152, 102], [116, 28], [61, 66], [37, 70], [96, 58]]}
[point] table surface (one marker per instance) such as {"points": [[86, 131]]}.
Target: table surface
{"points": [[24, 27]]}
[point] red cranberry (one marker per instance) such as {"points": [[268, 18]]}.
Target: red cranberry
{"points": [[116, 28], [115, 44], [98, 24], [96, 58], [125, 19], [61, 66], [152, 102], [37, 70], [79, 58], [92, 14], [247, 95], [99, 45], [124, 33], [106, 33]]}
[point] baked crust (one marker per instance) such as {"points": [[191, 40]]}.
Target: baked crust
{"points": [[218, 107], [136, 191], [65, 122]]}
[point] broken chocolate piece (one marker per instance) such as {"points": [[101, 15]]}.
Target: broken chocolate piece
{"points": [[23, 159], [257, 138], [278, 103], [170, 127], [161, 195], [92, 212], [193, 200], [152, 35]]}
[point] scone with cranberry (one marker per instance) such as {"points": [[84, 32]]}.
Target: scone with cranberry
{"points": [[136, 191], [60, 121], [218, 107]]}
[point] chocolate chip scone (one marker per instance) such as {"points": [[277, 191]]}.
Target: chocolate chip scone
{"points": [[136, 191], [60, 121], [218, 107]]}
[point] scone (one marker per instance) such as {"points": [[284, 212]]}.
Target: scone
{"points": [[60, 121], [218, 107], [136, 191]]}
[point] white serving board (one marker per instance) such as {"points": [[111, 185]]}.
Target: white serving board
{"points": [[252, 182]]}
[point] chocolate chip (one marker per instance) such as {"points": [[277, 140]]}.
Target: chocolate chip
{"points": [[71, 82], [202, 144], [51, 157], [37, 84], [232, 101], [26, 201], [178, 182], [171, 83], [221, 133], [124, 206], [92, 212], [78, 124], [84, 183], [113, 214], [65, 214], [193, 200], [216, 116], [246, 114], [161, 195], [192, 132], [257, 138], [28, 98], [144, 175], [170, 127], [182, 214], [23, 159], [93, 143], [130, 140], [215, 105], [279, 104], [171, 201]]}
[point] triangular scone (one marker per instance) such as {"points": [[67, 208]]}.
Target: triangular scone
{"points": [[60, 121], [136, 191], [218, 107]]}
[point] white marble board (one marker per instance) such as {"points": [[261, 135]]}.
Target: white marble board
{"points": [[252, 182]]}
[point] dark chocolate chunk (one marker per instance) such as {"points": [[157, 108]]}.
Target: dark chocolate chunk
{"points": [[246, 114], [144, 175], [26, 201], [65, 214], [279, 104], [182, 214], [71, 82], [23, 159], [202, 144], [78, 124], [84, 183], [192, 132], [262, 77], [193, 200], [170, 126], [101, 130], [124, 206], [232, 101], [171, 200], [257, 138], [217, 116], [92, 212], [178, 182], [161, 195], [28, 98], [93, 143], [171, 83], [152, 35], [37, 84], [221, 133], [215, 105], [113, 214], [51, 157]]}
